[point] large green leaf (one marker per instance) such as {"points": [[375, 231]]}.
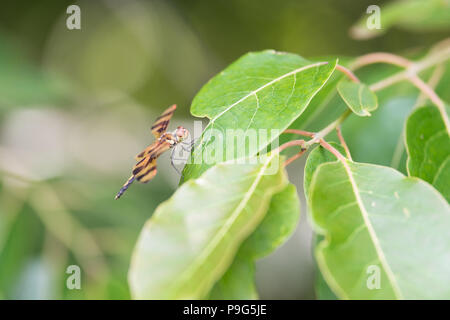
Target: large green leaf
{"points": [[278, 224], [192, 238], [238, 282], [259, 95], [358, 97], [321, 288], [418, 15], [428, 146], [318, 156], [377, 221]]}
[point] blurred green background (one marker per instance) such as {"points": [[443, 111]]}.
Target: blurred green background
{"points": [[77, 105]]}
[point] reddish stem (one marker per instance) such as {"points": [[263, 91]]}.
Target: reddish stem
{"points": [[381, 57], [300, 132], [348, 73], [344, 144], [430, 93], [294, 157], [290, 144], [327, 146]]}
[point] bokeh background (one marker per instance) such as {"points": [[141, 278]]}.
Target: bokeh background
{"points": [[77, 105]]}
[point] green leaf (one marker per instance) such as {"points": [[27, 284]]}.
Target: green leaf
{"points": [[259, 95], [323, 108], [416, 15], [238, 282], [279, 223], [277, 226], [192, 238], [358, 97], [322, 290], [428, 147], [318, 156], [378, 222]]}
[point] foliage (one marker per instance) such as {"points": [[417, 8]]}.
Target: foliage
{"points": [[264, 90], [376, 221], [373, 219], [429, 148], [76, 105], [193, 237], [358, 97]]}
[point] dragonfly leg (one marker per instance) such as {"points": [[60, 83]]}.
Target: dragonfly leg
{"points": [[187, 146], [172, 154]]}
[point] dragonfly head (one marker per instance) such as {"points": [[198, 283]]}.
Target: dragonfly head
{"points": [[181, 133]]}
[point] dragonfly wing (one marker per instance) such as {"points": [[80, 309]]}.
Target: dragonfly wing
{"points": [[145, 169], [162, 122], [155, 149], [150, 149]]}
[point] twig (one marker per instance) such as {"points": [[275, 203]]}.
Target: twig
{"points": [[334, 151], [324, 132], [295, 157], [414, 68], [386, 82], [381, 57], [432, 83], [410, 74], [300, 132], [343, 143], [291, 143], [400, 147], [348, 73], [427, 90]]}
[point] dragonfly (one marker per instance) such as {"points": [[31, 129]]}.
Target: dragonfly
{"points": [[145, 168]]}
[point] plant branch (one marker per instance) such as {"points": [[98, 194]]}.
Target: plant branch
{"points": [[428, 91], [348, 73], [334, 151], [291, 143], [433, 59], [325, 131], [343, 143], [410, 73], [432, 83], [295, 157], [380, 57], [300, 132]]}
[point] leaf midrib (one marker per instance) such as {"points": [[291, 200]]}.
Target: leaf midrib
{"points": [[254, 92], [372, 233]]}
